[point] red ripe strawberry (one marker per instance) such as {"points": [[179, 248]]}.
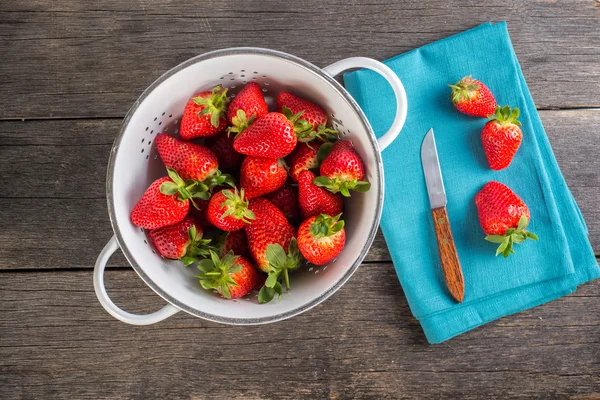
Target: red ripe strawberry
{"points": [[286, 199], [181, 241], [310, 120], [473, 98], [302, 158], [222, 146], [228, 210], [503, 217], [232, 276], [502, 137], [248, 105], [315, 200], [260, 176], [321, 238], [235, 241], [204, 114], [269, 227], [270, 136], [343, 170], [162, 204], [191, 161]]}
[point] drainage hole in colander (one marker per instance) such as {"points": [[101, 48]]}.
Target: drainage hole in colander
{"points": [[266, 83], [176, 121], [176, 131], [232, 79], [231, 73], [264, 76], [163, 113], [155, 156], [170, 115], [265, 90], [142, 229], [155, 118], [147, 128], [143, 140], [310, 269], [142, 151], [255, 73], [147, 156], [243, 76], [152, 131], [160, 123], [145, 242], [244, 82], [253, 78], [242, 70], [336, 126], [232, 95], [233, 86], [222, 77], [153, 252], [149, 142]]}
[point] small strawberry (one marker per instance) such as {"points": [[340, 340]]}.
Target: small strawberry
{"points": [[191, 161], [502, 137], [281, 263], [270, 136], [232, 276], [260, 176], [269, 227], [286, 199], [303, 157], [228, 210], [343, 170], [235, 241], [503, 217], [473, 98], [315, 200], [182, 241], [162, 204], [222, 146], [248, 105], [310, 120], [205, 114], [321, 238]]}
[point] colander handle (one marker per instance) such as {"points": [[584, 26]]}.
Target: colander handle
{"points": [[133, 319], [390, 76]]}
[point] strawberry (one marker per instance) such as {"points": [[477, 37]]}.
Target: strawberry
{"points": [[222, 146], [232, 276], [181, 241], [321, 238], [204, 114], [260, 176], [228, 210], [286, 199], [473, 98], [310, 120], [269, 227], [343, 170], [248, 105], [303, 157], [270, 136], [198, 211], [281, 263], [503, 217], [191, 161], [315, 200], [164, 203], [235, 241], [502, 137]]}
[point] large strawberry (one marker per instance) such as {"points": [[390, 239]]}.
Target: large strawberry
{"points": [[248, 105], [270, 136], [503, 217], [222, 146], [235, 241], [310, 120], [315, 200], [163, 203], [501, 137], [321, 238], [191, 161], [269, 227], [260, 176], [286, 199], [232, 276], [303, 157], [228, 210], [205, 114], [181, 241], [473, 98], [343, 170]]}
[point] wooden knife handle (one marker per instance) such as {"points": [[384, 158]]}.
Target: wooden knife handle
{"points": [[448, 255]]}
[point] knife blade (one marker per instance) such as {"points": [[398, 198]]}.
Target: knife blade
{"points": [[437, 199]]}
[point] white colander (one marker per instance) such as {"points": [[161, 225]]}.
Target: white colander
{"points": [[134, 164]]}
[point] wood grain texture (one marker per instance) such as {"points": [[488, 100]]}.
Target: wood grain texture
{"points": [[93, 59], [449, 261], [69, 209], [56, 342]]}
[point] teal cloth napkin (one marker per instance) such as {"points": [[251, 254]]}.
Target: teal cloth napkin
{"points": [[494, 286]]}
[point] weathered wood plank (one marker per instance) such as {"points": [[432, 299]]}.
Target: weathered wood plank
{"points": [[57, 342], [83, 59], [70, 157]]}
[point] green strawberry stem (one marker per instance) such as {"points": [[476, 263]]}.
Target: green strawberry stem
{"points": [[215, 273], [325, 225], [464, 89], [304, 129], [512, 236], [237, 206], [215, 105], [280, 265], [192, 189], [343, 186], [198, 247], [506, 116], [240, 123]]}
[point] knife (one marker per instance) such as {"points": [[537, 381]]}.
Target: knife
{"points": [[437, 199]]}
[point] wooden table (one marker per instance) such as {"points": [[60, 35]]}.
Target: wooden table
{"points": [[69, 72]]}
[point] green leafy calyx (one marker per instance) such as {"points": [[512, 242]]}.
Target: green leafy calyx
{"points": [[216, 273], [197, 247], [237, 206], [512, 236], [215, 105], [343, 186], [464, 90], [325, 226], [506, 116], [280, 265], [240, 123]]}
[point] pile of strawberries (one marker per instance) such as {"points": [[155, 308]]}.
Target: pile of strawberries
{"points": [[502, 214], [261, 194]]}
